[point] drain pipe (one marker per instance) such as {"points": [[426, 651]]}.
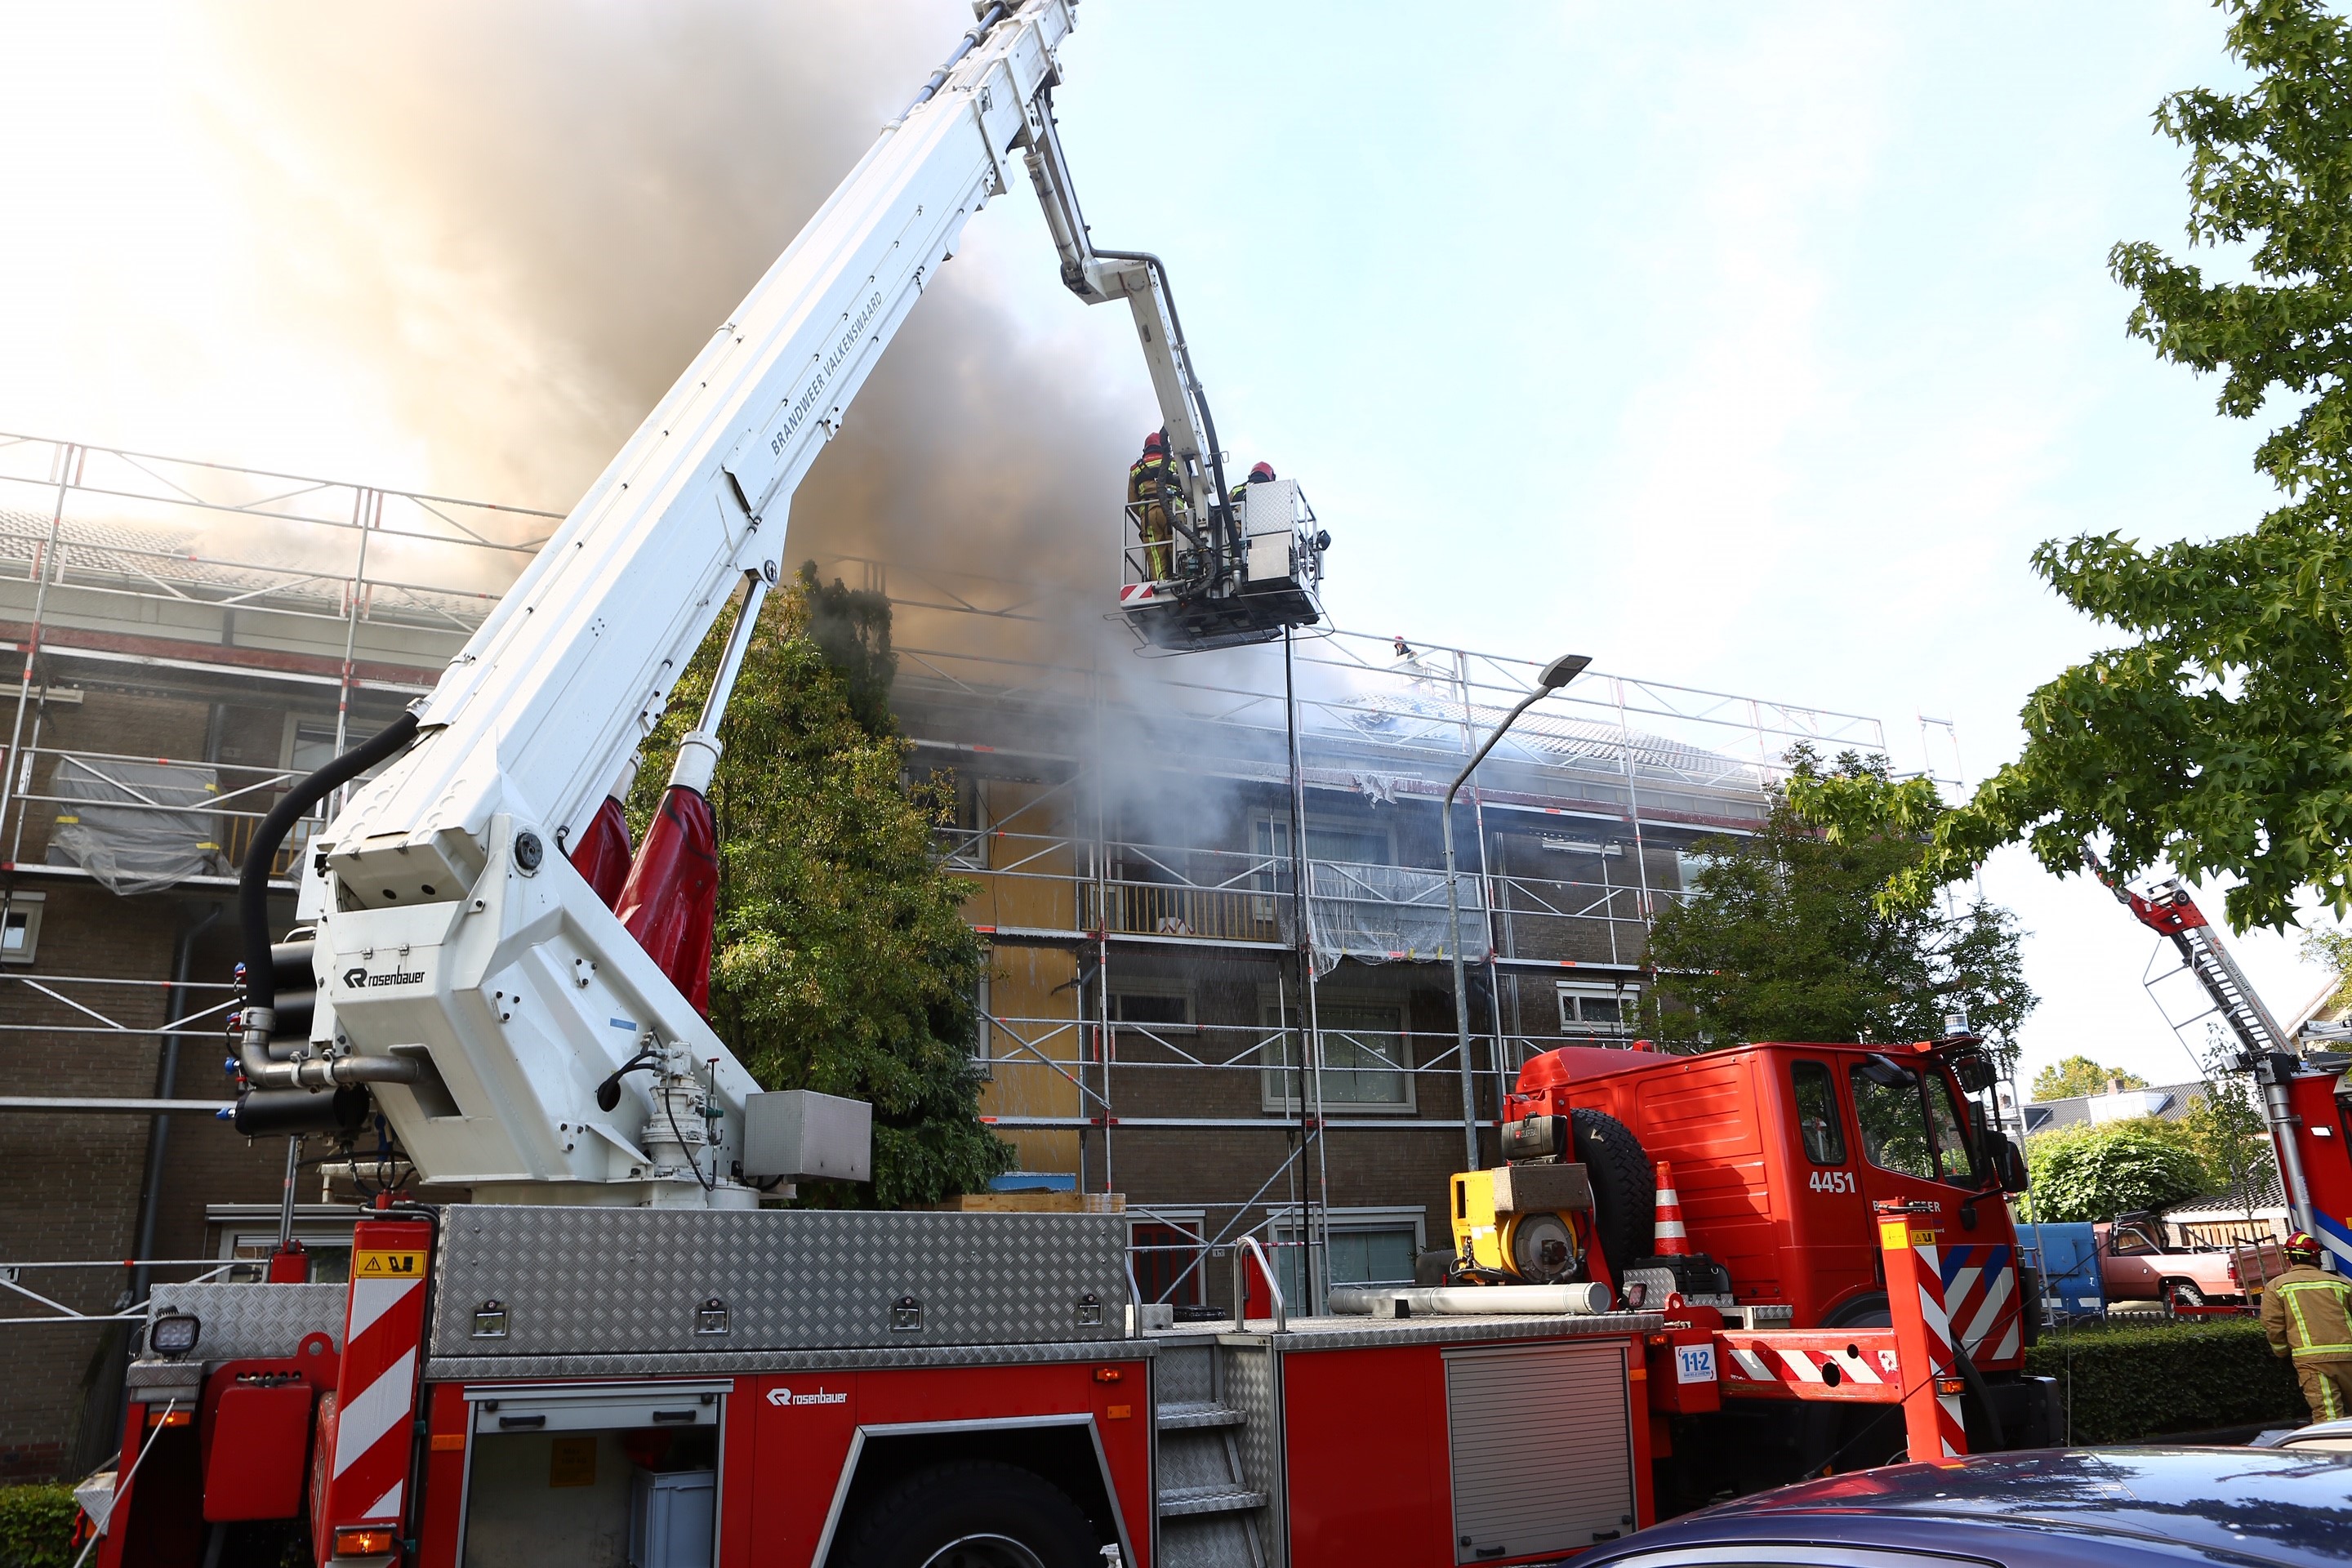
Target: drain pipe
{"points": [[253, 914], [159, 1130]]}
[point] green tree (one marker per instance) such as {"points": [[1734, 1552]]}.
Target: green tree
{"points": [[1781, 939], [2095, 1171], [2080, 1075], [2217, 737], [842, 963], [2333, 950], [2225, 1125]]}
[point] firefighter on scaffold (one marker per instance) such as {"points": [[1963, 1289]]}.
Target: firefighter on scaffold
{"points": [[1152, 488], [2308, 1315]]}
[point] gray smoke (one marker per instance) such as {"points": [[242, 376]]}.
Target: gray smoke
{"points": [[537, 213]]}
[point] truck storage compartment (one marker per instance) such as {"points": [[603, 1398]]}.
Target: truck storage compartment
{"points": [[573, 1475]]}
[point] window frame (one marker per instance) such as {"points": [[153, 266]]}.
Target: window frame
{"points": [[1577, 1028], [30, 905], [1837, 1111], [1275, 1101], [1283, 1222]]}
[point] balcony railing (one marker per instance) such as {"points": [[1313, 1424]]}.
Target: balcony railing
{"points": [[1040, 883]]}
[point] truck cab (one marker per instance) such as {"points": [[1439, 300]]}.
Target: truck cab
{"points": [[1779, 1150]]}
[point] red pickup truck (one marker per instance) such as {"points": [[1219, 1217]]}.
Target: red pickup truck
{"points": [[2135, 1264]]}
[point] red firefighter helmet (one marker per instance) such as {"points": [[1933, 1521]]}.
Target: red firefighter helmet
{"points": [[2303, 1248], [1261, 472], [1156, 442]]}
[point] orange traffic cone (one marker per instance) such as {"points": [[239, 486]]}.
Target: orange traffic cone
{"points": [[1673, 1241]]}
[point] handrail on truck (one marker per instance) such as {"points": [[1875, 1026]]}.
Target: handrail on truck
{"points": [[1240, 1287]]}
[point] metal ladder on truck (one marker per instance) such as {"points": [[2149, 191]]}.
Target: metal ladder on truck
{"points": [[2263, 1049]]}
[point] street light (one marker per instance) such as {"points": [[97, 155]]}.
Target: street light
{"points": [[1556, 674]]}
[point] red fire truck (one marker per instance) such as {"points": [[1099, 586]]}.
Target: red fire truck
{"points": [[523, 1385], [1783, 1156]]}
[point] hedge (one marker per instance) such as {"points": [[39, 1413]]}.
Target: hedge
{"points": [[2127, 1382], [36, 1526]]}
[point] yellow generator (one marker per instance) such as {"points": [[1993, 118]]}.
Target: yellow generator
{"points": [[1522, 1224]]}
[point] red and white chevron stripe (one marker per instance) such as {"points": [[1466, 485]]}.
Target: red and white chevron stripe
{"points": [[373, 1423], [1951, 1431], [1980, 1295]]}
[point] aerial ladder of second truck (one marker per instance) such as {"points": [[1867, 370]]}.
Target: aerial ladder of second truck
{"points": [[2306, 1098]]}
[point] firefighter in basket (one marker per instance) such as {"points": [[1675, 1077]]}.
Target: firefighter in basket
{"points": [[2308, 1315], [1151, 490]]}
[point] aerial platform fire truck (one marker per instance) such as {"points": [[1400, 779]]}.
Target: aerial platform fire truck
{"points": [[615, 1353]]}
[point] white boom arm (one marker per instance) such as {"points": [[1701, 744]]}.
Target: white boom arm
{"points": [[451, 928], [1100, 276]]}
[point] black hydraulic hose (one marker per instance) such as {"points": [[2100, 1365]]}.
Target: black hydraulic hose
{"points": [[252, 881], [993, 15], [1977, 1386]]}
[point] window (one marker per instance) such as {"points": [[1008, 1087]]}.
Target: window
{"points": [[20, 928], [310, 745], [1168, 1256], [967, 840], [1817, 1113], [1607, 1012], [1956, 1160], [1894, 1117], [1367, 1059], [2129, 1241], [1368, 1246], [1689, 868], [1151, 1008]]}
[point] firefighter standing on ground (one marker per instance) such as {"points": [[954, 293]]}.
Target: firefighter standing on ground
{"points": [[2308, 1315], [1152, 489]]}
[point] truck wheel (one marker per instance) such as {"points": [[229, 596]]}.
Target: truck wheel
{"points": [[972, 1514], [2181, 1293], [1625, 1185]]}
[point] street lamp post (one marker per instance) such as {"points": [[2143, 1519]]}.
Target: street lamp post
{"points": [[1556, 674]]}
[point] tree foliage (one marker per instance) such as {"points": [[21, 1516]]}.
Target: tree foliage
{"points": [[2226, 1126], [842, 963], [2097, 1171], [1782, 939], [2333, 950], [2218, 738], [2080, 1075]]}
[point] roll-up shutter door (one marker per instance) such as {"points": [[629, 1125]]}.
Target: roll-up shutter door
{"points": [[1542, 1449]]}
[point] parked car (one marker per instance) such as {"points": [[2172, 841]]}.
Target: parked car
{"points": [[2320, 1437], [2136, 1264], [2052, 1508]]}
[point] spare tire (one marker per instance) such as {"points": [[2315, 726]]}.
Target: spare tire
{"points": [[1625, 1185]]}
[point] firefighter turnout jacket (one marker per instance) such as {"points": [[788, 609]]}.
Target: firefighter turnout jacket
{"points": [[2308, 1315]]}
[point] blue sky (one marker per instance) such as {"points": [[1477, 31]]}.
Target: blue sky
{"points": [[1748, 347]]}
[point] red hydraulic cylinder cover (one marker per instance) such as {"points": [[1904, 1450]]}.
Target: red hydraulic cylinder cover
{"points": [[602, 856], [671, 900], [256, 1459]]}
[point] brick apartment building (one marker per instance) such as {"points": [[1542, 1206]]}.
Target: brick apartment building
{"points": [[197, 636], [186, 639]]}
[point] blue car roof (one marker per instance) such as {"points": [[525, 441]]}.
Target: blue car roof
{"points": [[2249, 1504]]}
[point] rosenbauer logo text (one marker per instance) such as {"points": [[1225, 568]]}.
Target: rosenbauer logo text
{"points": [[360, 979], [786, 1396]]}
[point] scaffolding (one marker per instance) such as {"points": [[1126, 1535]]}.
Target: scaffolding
{"points": [[211, 582], [1139, 813], [1268, 813]]}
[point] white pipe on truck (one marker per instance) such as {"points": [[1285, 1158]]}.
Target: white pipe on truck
{"points": [[1417, 1300]]}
